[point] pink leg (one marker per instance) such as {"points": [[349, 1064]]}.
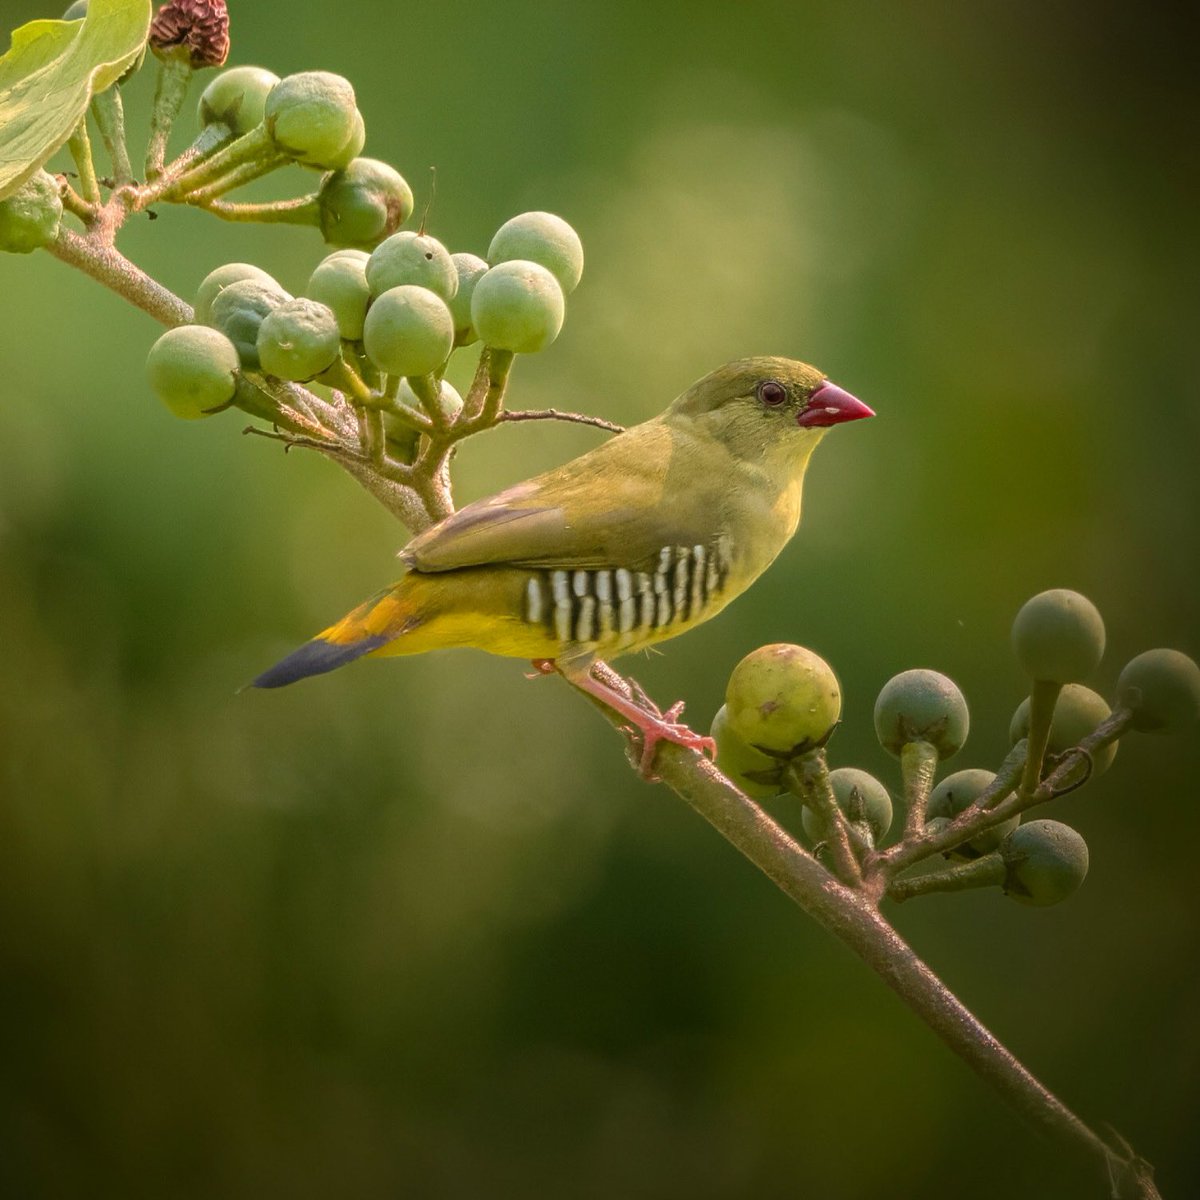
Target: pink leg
{"points": [[654, 727]]}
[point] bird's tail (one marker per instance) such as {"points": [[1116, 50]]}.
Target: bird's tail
{"points": [[372, 625]]}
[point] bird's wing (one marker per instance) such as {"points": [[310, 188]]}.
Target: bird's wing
{"points": [[617, 505]]}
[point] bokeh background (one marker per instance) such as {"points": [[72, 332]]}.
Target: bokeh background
{"points": [[415, 928]]}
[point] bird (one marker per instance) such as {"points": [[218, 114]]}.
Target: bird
{"points": [[638, 540]]}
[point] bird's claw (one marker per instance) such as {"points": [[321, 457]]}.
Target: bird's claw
{"points": [[664, 729]]}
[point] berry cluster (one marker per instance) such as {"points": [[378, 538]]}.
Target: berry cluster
{"points": [[783, 704], [380, 316]]}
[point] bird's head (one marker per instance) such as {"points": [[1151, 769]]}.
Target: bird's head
{"points": [[767, 410]]}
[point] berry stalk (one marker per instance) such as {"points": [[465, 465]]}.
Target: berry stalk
{"points": [[988, 871], [80, 146], [918, 762], [109, 111], [1043, 696], [171, 85]]}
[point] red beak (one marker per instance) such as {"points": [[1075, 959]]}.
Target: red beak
{"points": [[829, 405]]}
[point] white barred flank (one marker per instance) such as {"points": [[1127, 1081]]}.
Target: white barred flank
{"points": [[603, 606]]}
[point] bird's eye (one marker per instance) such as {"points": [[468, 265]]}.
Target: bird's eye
{"points": [[771, 393]]}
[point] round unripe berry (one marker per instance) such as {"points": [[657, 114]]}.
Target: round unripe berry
{"points": [[215, 282], [921, 706], [545, 239], [193, 370], [449, 402], [359, 256], [1078, 711], [298, 340], [518, 306], [346, 155], [408, 331], [470, 268], [402, 439], [412, 258], [237, 98], [311, 115], [363, 204], [958, 792], [30, 217], [861, 797], [340, 283], [1162, 689], [1045, 861], [735, 757], [240, 309], [1058, 636], [782, 697]]}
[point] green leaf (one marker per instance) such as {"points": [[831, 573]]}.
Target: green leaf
{"points": [[50, 74]]}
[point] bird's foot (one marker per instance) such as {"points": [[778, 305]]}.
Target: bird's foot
{"points": [[647, 723], [541, 666], [663, 729]]}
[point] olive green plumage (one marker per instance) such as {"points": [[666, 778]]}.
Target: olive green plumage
{"points": [[634, 542]]}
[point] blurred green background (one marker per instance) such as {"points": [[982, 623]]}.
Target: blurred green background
{"points": [[415, 928]]}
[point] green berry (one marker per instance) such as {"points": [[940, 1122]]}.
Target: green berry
{"points": [[1045, 862], [543, 238], [237, 98], [1078, 711], [193, 370], [240, 309], [408, 331], [299, 340], [402, 439], [311, 116], [363, 204], [215, 282], [861, 797], [412, 258], [958, 792], [352, 148], [1162, 688], [470, 269], [359, 256], [517, 306], [449, 401], [1058, 636], [735, 758], [921, 706], [782, 697], [29, 218], [340, 283]]}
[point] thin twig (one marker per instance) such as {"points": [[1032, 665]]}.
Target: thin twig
{"points": [[74, 203], [554, 414], [808, 778], [107, 265], [291, 440]]}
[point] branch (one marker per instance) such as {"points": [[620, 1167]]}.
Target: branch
{"points": [[850, 916], [109, 266], [554, 414]]}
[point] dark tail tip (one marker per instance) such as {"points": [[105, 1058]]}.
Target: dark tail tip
{"points": [[315, 658]]}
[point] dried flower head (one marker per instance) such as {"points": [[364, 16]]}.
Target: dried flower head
{"points": [[197, 28]]}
